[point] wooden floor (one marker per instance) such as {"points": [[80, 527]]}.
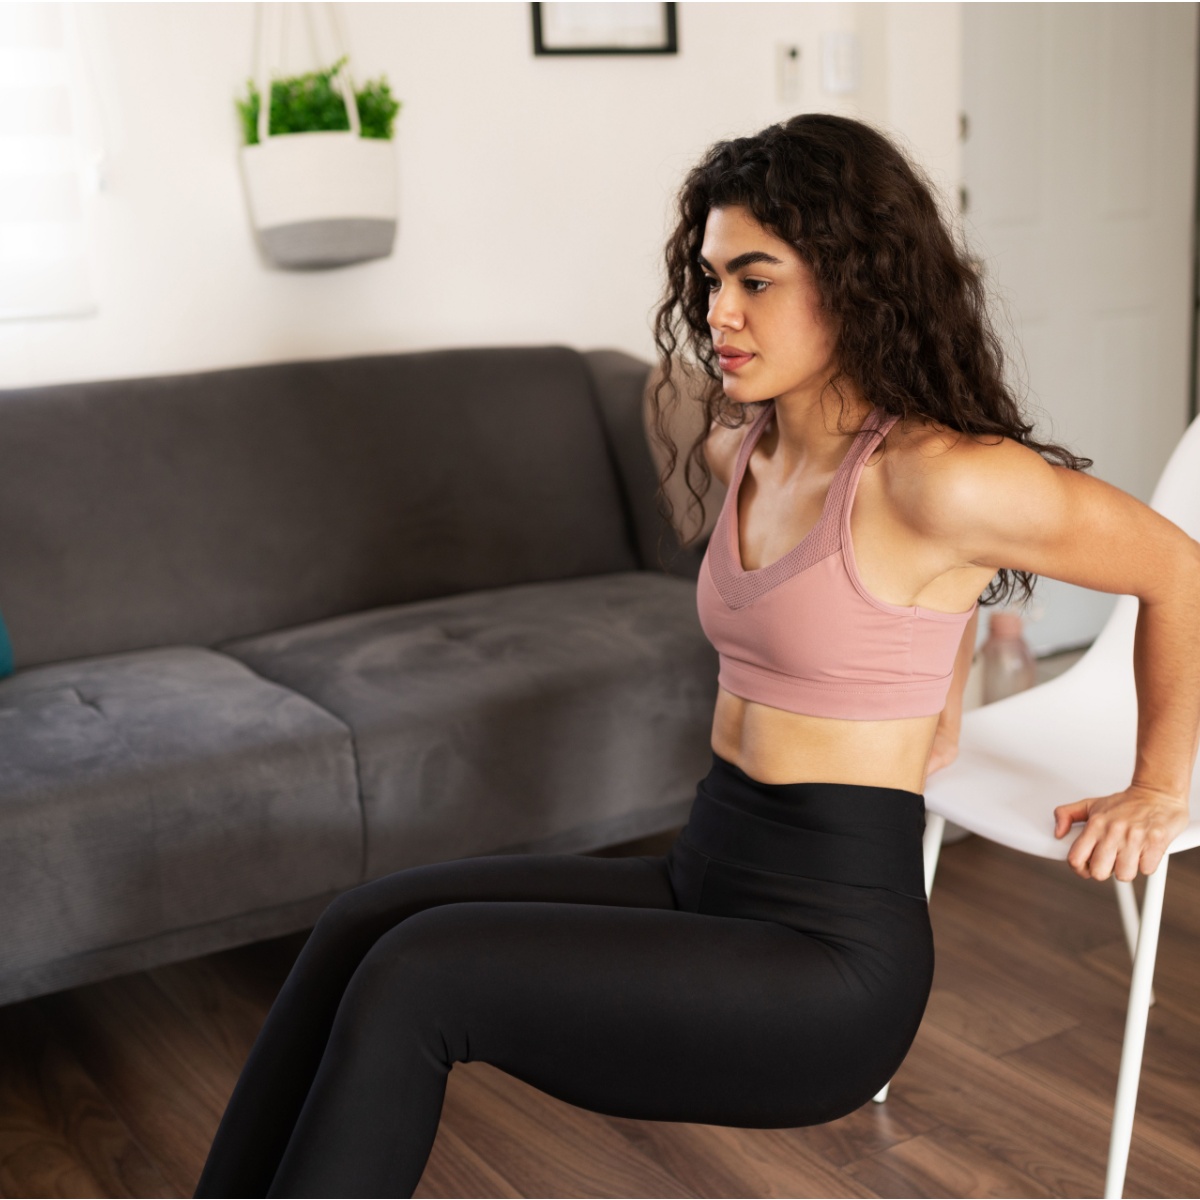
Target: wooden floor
{"points": [[115, 1089]]}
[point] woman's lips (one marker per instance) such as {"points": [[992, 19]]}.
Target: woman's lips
{"points": [[731, 362]]}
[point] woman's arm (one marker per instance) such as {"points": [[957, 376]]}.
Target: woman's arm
{"points": [[951, 719], [1003, 505], [944, 748], [1166, 671]]}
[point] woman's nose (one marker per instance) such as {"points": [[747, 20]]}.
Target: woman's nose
{"points": [[723, 313]]}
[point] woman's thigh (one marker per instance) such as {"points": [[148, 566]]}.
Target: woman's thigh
{"points": [[649, 1013], [259, 1119], [350, 926]]}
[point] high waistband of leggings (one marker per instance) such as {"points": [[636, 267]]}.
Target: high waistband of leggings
{"points": [[838, 832]]}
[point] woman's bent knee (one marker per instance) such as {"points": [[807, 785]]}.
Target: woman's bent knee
{"points": [[368, 911], [412, 986]]}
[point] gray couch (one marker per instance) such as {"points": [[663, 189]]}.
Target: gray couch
{"points": [[281, 629]]}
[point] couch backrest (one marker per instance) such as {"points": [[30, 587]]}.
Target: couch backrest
{"points": [[201, 507]]}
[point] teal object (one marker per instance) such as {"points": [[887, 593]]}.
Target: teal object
{"points": [[6, 657]]}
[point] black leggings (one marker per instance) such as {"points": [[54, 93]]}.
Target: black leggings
{"points": [[771, 970]]}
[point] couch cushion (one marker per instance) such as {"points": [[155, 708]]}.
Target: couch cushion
{"points": [[196, 508], [148, 792], [506, 717]]}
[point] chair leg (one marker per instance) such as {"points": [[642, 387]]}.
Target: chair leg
{"points": [[1127, 903], [931, 846], [1135, 1032], [935, 826]]}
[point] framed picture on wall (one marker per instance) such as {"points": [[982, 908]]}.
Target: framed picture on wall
{"points": [[581, 27]]}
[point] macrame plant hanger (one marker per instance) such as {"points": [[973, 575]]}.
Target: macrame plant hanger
{"points": [[323, 198]]}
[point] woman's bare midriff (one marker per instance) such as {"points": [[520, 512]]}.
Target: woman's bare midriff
{"points": [[776, 746]]}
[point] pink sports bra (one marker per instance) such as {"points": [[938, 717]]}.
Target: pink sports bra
{"points": [[804, 634]]}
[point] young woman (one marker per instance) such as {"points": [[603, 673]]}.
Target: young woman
{"points": [[773, 967]]}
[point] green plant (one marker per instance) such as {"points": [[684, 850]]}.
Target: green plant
{"points": [[302, 103]]}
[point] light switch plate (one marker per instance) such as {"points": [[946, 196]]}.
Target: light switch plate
{"points": [[787, 72], [841, 63]]}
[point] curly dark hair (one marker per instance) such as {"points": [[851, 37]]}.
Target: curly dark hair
{"points": [[909, 307]]}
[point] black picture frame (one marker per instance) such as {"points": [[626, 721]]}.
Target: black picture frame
{"points": [[670, 44]]}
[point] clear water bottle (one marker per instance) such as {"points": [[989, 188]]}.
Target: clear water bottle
{"points": [[1008, 663]]}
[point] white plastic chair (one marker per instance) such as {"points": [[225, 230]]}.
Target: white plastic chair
{"points": [[1073, 737]]}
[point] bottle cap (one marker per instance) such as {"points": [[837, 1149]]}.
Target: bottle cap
{"points": [[1005, 624]]}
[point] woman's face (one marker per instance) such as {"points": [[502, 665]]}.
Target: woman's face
{"points": [[763, 302]]}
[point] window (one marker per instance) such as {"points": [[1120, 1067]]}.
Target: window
{"points": [[46, 186]]}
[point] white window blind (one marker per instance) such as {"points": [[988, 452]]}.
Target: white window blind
{"points": [[44, 261]]}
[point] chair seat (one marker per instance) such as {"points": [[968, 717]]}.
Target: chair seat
{"points": [[1069, 739]]}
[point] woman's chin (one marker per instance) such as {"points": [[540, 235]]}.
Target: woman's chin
{"points": [[737, 391]]}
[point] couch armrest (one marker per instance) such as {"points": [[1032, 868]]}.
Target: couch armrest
{"points": [[619, 383]]}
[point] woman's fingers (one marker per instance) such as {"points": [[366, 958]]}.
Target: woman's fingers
{"points": [[1153, 849], [1129, 855], [1065, 815], [1081, 850], [1124, 833], [942, 752]]}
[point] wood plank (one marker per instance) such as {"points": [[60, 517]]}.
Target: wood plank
{"points": [[991, 881], [1176, 971], [33, 1165], [226, 997], [1011, 956], [455, 1168], [867, 1131], [58, 1134], [1181, 898], [1014, 1118], [993, 1015], [714, 1160], [548, 1147], [1081, 1065], [943, 1163], [159, 1072]]}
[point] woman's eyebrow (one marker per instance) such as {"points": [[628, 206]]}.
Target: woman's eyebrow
{"points": [[743, 260]]}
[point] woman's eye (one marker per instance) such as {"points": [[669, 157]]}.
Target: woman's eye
{"points": [[753, 286]]}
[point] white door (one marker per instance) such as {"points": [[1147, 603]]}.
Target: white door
{"points": [[1079, 166]]}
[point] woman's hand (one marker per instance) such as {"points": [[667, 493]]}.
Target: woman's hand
{"points": [[943, 751], [1124, 831]]}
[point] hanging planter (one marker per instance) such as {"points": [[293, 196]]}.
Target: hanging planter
{"points": [[319, 166]]}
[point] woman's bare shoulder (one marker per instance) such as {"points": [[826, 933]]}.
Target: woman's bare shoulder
{"points": [[927, 458], [922, 446]]}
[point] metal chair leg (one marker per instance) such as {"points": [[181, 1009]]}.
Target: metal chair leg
{"points": [[1135, 1032], [931, 846], [1127, 903]]}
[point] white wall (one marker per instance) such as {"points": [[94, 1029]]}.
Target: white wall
{"points": [[1081, 171], [534, 192], [923, 76]]}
